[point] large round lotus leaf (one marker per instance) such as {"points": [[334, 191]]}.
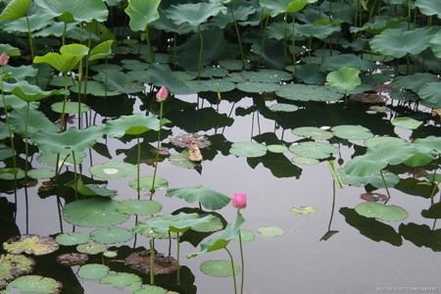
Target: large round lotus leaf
{"points": [[270, 232], [122, 280], [69, 107], [313, 133], [277, 148], [257, 87], [147, 289], [300, 92], [93, 271], [31, 244], [248, 149], [111, 235], [81, 11], [345, 79], [12, 266], [350, 132], [213, 224], [139, 207], [314, 150], [382, 140], [9, 174], [302, 161], [113, 170], [375, 179], [435, 45], [213, 72], [231, 64], [283, 107], [71, 239], [208, 198], [212, 85], [431, 142], [15, 9], [401, 42], [94, 213], [41, 173], [146, 183], [419, 159], [134, 125], [317, 31], [35, 285], [91, 248], [381, 211], [429, 7], [430, 94], [97, 89], [406, 122], [219, 268], [178, 223], [194, 14], [142, 13], [363, 166]]}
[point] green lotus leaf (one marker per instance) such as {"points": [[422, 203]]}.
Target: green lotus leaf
{"points": [[303, 210], [80, 11], [10, 50], [111, 235], [248, 149], [429, 7], [122, 280], [5, 151], [435, 44], [113, 170], [178, 223], [30, 93], [316, 31], [219, 268], [31, 244], [276, 7], [148, 289], [91, 248], [431, 142], [10, 174], [345, 79], [303, 161], [257, 87], [142, 13], [363, 166], [401, 42], [414, 81], [313, 150], [313, 133], [431, 94], [12, 266], [300, 92], [35, 285], [68, 58], [146, 183], [22, 72], [72, 239], [72, 140], [13, 102], [335, 62], [94, 213], [350, 132], [208, 198], [231, 64], [15, 9], [375, 179], [277, 148], [139, 207], [406, 122], [283, 107], [270, 231], [214, 224], [93, 271], [381, 211], [69, 107], [212, 85], [377, 141], [101, 51], [134, 125], [194, 14]]}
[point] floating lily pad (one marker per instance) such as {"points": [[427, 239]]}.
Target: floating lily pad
{"points": [[122, 280], [381, 211], [94, 213], [257, 87], [111, 235], [270, 232], [9, 174], [313, 150], [31, 244], [71, 239], [248, 149], [277, 148], [208, 198], [313, 133], [113, 170], [146, 183], [147, 289], [350, 132], [218, 268], [93, 271], [139, 207], [69, 107], [345, 79], [303, 210], [283, 107], [41, 173], [110, 254], [300, 92], [406, 122], [303, 161], [35, 285], [91, 248], [12, 266]]}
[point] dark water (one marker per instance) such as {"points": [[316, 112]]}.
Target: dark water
{"points": [[297, 262]]}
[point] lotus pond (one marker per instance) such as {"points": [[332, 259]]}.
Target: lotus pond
{"points": [[238, 146]]}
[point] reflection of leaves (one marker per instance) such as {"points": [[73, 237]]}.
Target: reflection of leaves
{"points": [[278, 164], [371, 228], [421, 235], [416, 187]]}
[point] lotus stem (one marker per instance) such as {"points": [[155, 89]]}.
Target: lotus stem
{"points": [[75, 174], [80, 84], [233, 269], [151, 56], [169, 244], [31, 45], [242, 261], [239, 39], [201, 49], [385, 186], [138, 168], [63, 36], [152, 260], [28, 106], [155, 171], [178, 254]]}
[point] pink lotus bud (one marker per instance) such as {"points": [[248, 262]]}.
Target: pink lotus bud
{"points": [[4, 59], [239, 200], [162, 94]]}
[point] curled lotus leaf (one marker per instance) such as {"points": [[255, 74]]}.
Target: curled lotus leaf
{"points": [[13, 266], [35, 285], [31, 244], [72, 259]]}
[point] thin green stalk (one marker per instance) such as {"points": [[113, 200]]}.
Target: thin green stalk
{"points": [[26, 165], [80, 83], [152, 261], [63, 37], [239, 39], [178, 255], [242, 261], [150, 57], [75, 174], [233, 269], [155, 171], [31, 45], [201, 49], [385, 186], [293, 41], [138, 168]]}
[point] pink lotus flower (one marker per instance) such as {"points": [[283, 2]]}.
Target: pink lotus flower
{"points": [[4, 59], [162, 94], [239, 200]]}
